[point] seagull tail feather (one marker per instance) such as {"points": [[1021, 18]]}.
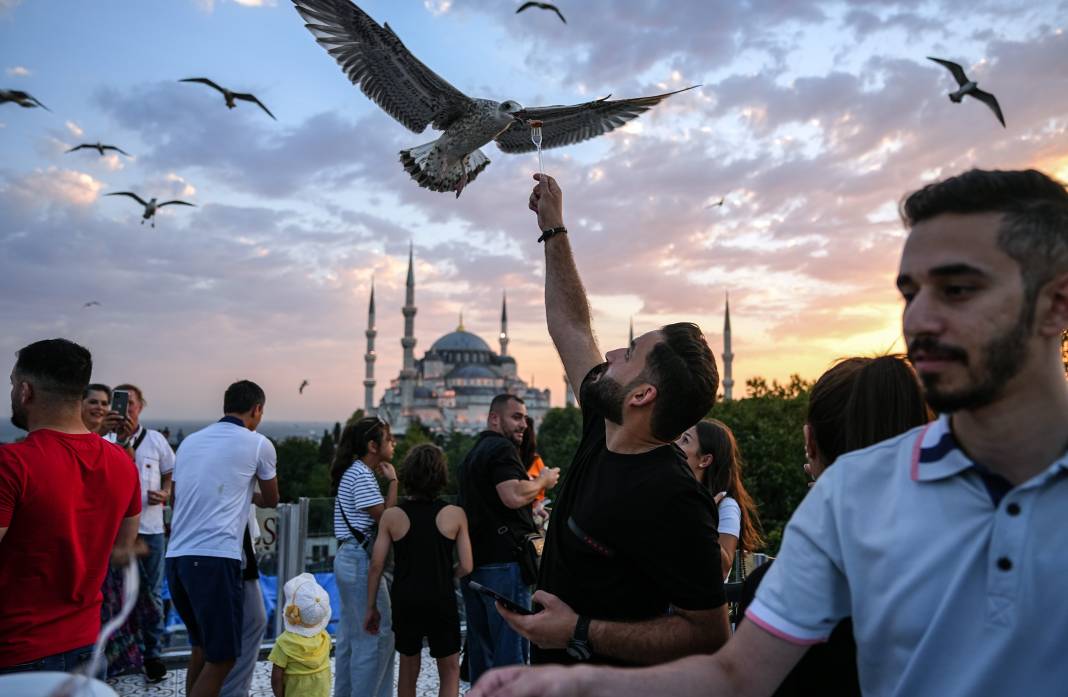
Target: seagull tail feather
{"points": [[430, 169]]}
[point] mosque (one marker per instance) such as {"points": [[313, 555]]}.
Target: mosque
{"points": [[451, 387]]}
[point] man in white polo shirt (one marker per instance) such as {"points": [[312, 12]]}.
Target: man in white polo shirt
{"points": [[946, 545], [214, 478], [155, 463]]}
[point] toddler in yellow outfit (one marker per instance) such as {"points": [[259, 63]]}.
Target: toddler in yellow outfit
{"points": [[301, 655]]}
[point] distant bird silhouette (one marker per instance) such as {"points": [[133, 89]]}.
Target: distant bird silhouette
{"points": [[718, 203], [542, 6], [91, 303], [23, 99], [99, 147], [230, 96], [969, 88], [150, 206], [302, 386], [375, 60]]}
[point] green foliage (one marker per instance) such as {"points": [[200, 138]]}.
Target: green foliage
{"points": [[300, 472], [417, 433], [456, 446], [356, 416], [768, 426], [559, 436], [326, 448], [337, 432]]}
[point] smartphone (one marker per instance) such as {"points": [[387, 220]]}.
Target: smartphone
{"points": [[507, 603], [120, 401]]}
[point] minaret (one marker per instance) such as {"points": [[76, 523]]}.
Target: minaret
{"points": [[407, 376], [504, 324], [630, 339], [728, 357], [369, 358]]}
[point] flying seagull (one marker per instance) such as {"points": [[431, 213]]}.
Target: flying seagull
{"points": [[374, 59], [23, 99], [150, 206], [542, 6], [718, 203], [228, 95], [302, 386], [99, 147], [969, 88], [91, 303]]}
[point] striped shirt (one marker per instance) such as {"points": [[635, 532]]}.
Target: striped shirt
{"points": [[357, 492]]}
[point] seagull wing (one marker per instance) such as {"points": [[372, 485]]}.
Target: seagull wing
{"points": [[958, 72], [378, 62], [527, 6], [252, 98], [176, 202], [117, 149], [990, 101], [38, 103], [204, 81], [79, 147], [302, 386], [556, 9], [131, 194], [566, 125]]}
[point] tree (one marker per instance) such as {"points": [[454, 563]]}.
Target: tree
{"points": [[417, 433], [559, 436], [337, 432], [326, 448], [456, 445], [767, 425], [356, 416], [300, 473]]}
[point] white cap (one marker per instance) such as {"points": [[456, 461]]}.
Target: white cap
{"points": [[307, 609]]}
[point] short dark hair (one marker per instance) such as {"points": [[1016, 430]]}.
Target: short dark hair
{"points": [[56, 366], [97, 387], [1034, 227], [242, 396], [424, 472], [500, 402], [683, 369]]}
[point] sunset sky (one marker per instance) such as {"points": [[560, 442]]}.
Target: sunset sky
{"points": [[813, 120]]}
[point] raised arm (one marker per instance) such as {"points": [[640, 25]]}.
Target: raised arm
{"points": [[567, 311]]}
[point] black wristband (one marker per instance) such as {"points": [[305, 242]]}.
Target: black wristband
{"points": [[551, 232]]}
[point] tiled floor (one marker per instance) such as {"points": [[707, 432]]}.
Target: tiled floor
{"points": [[174, 684]]}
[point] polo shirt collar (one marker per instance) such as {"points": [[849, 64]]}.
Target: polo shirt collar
{"points": [[232, 420], [937, 455]]}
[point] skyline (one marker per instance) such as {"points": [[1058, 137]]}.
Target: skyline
{"points": [[813, 120]]}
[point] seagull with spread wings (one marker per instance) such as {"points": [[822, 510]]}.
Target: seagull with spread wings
{"points": [[150, 206], [99, 147], [91, 303], [229, 95], [969, 88], [23, 99], [542, 6], [375, 59]]}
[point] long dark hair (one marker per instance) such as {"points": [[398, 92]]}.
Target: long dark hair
{"points": [[528, 449], [715, 438], [861, 401], [354, 443]]}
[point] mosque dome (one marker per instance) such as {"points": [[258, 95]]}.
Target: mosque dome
{"points": [[470, 372], [460, 340]]}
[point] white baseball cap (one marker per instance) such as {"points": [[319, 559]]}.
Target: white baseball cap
{"points": [[307, 610]]}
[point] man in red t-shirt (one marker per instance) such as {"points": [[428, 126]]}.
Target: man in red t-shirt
{"points": [[69, 501]]}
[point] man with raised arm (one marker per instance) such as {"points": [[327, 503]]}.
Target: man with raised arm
{"points": [[945, 544], [630, 574]]}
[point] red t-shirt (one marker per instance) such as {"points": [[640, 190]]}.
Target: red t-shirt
{"points": [[62, 498]]}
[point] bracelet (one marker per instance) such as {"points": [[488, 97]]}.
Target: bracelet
{"points": [[551, 232]]}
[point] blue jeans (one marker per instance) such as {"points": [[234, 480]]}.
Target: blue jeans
{"points": [[491, 643], [64, 662], [151, 566], [363, 662]]}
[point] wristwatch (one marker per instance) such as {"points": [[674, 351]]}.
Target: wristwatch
{"points": [[578, 646]]}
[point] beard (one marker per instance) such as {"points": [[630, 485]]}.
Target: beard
{"points": [[19, 417], [1001, 359], [604, 395]]}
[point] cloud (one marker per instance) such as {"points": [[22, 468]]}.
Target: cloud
{"points": [[53, 186], [74, 129], [18, 70], [437, 7]]}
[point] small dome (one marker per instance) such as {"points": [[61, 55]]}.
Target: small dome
{"points": [[471, 371], [460, 340]]}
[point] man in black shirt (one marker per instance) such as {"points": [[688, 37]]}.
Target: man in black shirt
{"points": [[631, 570], [497, 494]]}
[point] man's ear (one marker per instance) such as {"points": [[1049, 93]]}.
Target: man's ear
{"points": [[643, 396], [1052, 309], [26, 392]]}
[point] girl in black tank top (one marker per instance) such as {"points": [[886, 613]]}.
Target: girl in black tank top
{"points": [[425, 534]]}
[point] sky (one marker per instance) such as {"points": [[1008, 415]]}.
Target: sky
{"points": [[813, 119]]}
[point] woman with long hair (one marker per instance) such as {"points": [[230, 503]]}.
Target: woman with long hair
{"points": [[364, 662], [712, 454], [857, 403]]}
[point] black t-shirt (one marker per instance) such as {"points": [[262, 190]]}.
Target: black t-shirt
{"points": [[629, 537], [495, 529]]}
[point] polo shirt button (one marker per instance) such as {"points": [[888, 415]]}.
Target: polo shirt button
{"points": [[1004, 563], [1013, 509]]}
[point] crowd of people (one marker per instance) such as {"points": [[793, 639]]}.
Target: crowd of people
{"points": [[923, 561]]}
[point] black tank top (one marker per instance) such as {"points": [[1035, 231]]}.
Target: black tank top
{"points": [[423, 573]]}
